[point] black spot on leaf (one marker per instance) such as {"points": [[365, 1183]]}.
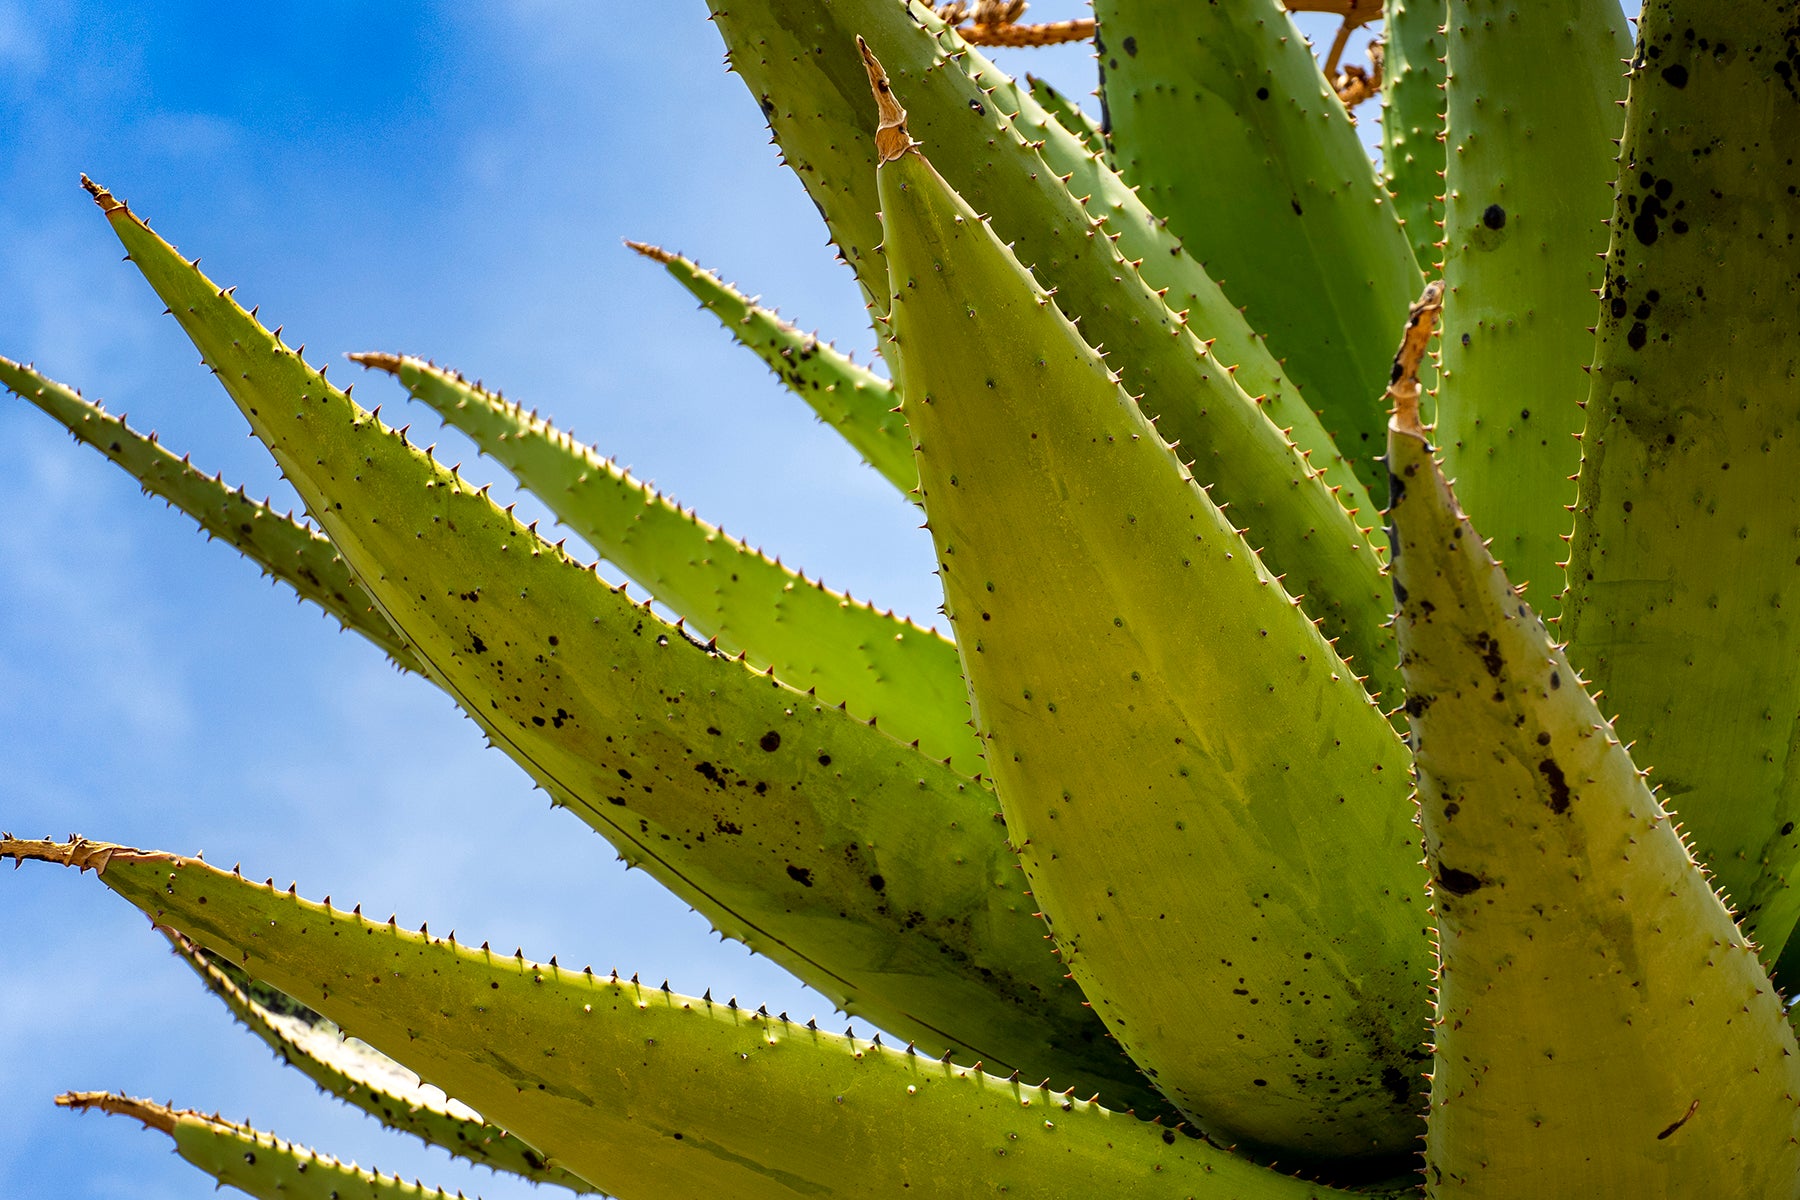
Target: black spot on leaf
{"points": [[1559, 786], [1457, 883]]}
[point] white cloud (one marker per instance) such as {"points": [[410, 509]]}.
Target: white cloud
{"points": [[186, 135]]}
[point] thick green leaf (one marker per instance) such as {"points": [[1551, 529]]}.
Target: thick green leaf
{"points": [[873, 873], [1586, 967], [1220, 116], [352, 1071], [884, 668], [1682, 603], [799, 58], [1533, 120], [853, 400], [1155, 708], [644, 1092], [256, 1163], [285, 549], [1412, 122]]}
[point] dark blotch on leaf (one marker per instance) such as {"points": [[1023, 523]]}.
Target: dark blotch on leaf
{"points": [[1559, 786], [1490, 654], [770, 741], [800, 875], [1494, 217], [1675, 75], [1457, 883]]}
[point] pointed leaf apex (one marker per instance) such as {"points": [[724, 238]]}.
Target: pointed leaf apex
{"points": [[891, 138], [1403, 384], [376, 360], [654, 252], [102, 197]]}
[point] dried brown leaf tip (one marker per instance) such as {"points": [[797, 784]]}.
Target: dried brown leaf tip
{"points": [[105, 199], [153, 1115], [77, 852], [652, 252], [891, 138], [997, 23], [1403, 384], [1355, 84]]}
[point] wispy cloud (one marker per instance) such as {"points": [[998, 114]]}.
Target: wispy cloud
{"points": [[22, 54]]}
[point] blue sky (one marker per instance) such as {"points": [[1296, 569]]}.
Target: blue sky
{"points": [[451, 181]]}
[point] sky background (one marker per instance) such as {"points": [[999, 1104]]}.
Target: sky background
{"points": [[451, 181]]}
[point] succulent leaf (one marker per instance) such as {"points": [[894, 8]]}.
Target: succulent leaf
{"points": [[352, 1071], [1586, 964], [256, 1163], [859, 404], [287, 550], [585, 1068], [799, 57], [1412, 122], [1536, 103], [871, 872], [1681, 600], [1220, 117], [1107, 613], [884, 668]]}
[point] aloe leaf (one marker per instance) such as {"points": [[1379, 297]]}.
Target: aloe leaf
{"points": [[871, 872], [799, 58], [1586, 964], [1155, 707], [645, 1092], [287, 550], [1412, 122], [256, 1163], [1220, 116], [353, 1072], [1071, 116], [1681, 602], [859, 404], [884, 668], [1534, 115]]}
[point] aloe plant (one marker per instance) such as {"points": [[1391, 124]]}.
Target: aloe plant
{"points": [[1222, 846]]}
